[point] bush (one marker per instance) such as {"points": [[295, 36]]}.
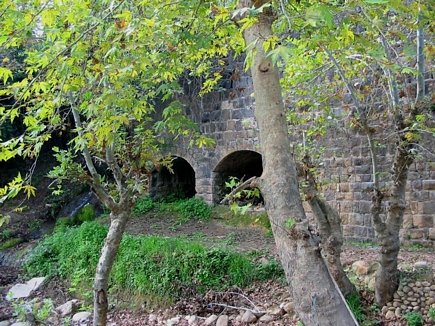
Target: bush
{"points": [[193, 208], [86, 214], [414, 319], [143, 206]]}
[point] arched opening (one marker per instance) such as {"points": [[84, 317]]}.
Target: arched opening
{"points": [[180, 184], [241, 165]]}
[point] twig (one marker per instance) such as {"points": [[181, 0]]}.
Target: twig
{"points": [[243, 296], [238, 308], [244, 185]]}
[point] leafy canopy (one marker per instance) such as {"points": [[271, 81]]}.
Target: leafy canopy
{"points": [[111, 62]]}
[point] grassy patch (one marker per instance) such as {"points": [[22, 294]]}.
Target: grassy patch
{"points": [[183, 209], [11, 243], [250, 219], [146, 266]]}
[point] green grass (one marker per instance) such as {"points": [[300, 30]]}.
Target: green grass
{"points": [[413, 319], [146, 266], [11, 243], [184, 209]]}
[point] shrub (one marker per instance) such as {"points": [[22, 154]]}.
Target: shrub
{"points": [[143, 205], [193, 208], [86, 213], [414, 319]]}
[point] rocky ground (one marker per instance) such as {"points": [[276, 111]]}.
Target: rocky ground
{"points": [[233, 302]]}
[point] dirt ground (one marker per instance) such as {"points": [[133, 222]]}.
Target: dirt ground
{"points": [[212, 232]]}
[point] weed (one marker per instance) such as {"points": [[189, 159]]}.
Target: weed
{"points": [[364, 244], [43, 311], [357, 308], [11, 243], [86, 213], [431, 313], [143, 206], [7, 234], [40, 311], [413, 319], [193, 208]]}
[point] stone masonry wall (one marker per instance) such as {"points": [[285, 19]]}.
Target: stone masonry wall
{"points": [[228, 117]]}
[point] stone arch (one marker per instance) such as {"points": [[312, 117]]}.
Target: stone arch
{"points": [[241, 164], [181, 183]]}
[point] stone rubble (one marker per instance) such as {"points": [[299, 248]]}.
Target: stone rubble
{"points": [[416, 293]]}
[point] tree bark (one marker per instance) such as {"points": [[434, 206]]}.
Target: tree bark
{"points": [[118, 222], [387, 232], [317, 300], [329, 224]]}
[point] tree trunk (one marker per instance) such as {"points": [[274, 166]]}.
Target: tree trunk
{"points": [[387, 232], [329, 224], [317, 300], [108, 254]]}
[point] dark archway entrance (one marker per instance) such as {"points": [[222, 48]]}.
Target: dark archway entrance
{"points": [[240, 164], [180, 184]]}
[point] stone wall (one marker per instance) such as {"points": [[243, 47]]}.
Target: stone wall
{"points": [[227, 116]]}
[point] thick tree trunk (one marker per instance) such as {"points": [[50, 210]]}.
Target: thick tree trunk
{"points": [[388, 232], [105, 263], [317, 300]]}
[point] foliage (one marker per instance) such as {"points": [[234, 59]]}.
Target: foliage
{"points": [[190, 208], [143, 205], [7, 234], [145, 264], [431, 313], [11, 243], [194, 208], [40, 312], [242, 196], [414, 319], [98, 71], [357, 308], [86, 213]]}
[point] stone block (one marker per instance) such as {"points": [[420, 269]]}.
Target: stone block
{"points": [[348, 231], [431, 232], [428, 208], [356, 219], [416, 234], [413, 206], [422, 221], [407, 221], [416, 184], [429, 184], [364, 206]]}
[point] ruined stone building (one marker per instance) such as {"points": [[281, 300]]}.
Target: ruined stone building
{"points": [[227, 116]]}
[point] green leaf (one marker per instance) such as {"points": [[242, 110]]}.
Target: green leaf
{"points": [[376, 2], [290, 223]]}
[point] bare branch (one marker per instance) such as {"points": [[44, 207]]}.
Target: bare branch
{"points": [[247, 184]]}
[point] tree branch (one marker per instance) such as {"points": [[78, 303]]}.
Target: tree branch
{"points": [[96, 183], [247, 184]]}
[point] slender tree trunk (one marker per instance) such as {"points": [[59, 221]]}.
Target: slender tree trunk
{"points": [[387, 232], [317, 300], [108, 254], [329, 224]]}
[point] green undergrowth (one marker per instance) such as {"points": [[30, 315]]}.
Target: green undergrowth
{"points": [[146, 266], [9, 243], [184, 209], [250, 219]]}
